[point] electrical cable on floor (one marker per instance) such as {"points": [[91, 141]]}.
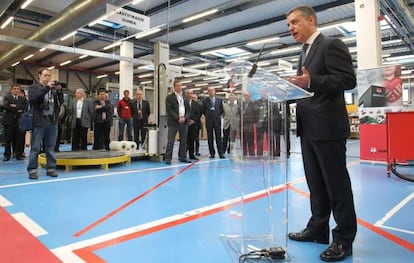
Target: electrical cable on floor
{"points": [[271, 254]]}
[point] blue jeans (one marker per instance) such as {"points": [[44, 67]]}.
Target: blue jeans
{"points": [[122, 123], [45, 135]]}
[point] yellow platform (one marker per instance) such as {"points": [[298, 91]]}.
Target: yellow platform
{"points": [[84, 158]]}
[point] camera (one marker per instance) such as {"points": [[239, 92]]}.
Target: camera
{"points": [[44, 105], [55, 83]]}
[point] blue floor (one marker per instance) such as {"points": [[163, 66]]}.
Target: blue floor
{"points": [[150, 212]]}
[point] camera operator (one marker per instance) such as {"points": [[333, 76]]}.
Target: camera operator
{"points": [[45, 99]]}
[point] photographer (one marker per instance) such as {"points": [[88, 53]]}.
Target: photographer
{"points": [[45, 99]]}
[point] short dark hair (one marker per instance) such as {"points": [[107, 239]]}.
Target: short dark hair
{"points": [[306, 11], [40, 71]]}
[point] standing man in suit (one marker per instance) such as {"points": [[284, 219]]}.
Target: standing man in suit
{"points": [[249, 118], [325, 68], [231, 123], [140, 109], [213, 110], [102, 119], [178, 113], [82, 113], [14, 106], [192, 122]]}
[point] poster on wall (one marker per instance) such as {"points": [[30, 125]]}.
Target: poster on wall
{"points": [[380, 90]]}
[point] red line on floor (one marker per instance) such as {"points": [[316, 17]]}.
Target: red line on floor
{"points": [[119, 209], [86, 253], [373, 228], [19, 245]]}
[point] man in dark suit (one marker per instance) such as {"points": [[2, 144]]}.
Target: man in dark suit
{"points": [[178, 113], [213, 110], [192, 123], [14, 106], [325, 68], [140, 109], [249, 118], [102, 119]]}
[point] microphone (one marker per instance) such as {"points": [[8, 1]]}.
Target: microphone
{"points": [[254, 67]]}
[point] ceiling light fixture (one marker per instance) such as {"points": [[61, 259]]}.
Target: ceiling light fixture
{"points": [[68, 35], [176, 59], [200, 15], [136, 2], [15, 63], [200, 65], [42, 49], [262, 41], [7, 22], [65, 63], [29, 56], [83, 56], [25, 4], [102, 76], [147, 33], [51, 67], [112, 45]]}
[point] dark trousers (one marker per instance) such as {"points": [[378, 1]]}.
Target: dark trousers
{"points": [[182, 130], [140, 133], [79, 137], [191, 136], [330, 188], [14, 140], [101, 133], [248, 140], [214, 132]]}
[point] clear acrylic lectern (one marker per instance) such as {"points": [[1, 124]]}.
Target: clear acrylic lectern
{"points": [[259, 222]]}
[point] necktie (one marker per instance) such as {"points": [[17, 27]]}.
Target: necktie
{"points": [[139, 110], [303, 53]]}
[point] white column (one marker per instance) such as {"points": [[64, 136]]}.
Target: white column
{"points": [[126, 69], [368, 34]]}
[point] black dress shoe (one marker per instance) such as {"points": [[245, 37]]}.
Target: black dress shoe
{"points": [[222, 157], [336, 252], [6, 159], [20, 157], [33, 176], [193, 158], [167, 161], [306, 235], [52, 174], [185, 161], [212, 156]]}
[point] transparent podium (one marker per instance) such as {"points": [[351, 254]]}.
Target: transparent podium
{"points": [[257, 226]]}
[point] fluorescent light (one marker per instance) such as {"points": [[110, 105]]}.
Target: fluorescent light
{"points": [[176, 59], [65, 63], [146, 75], [400, 57], [51, 67], [68, 35], [146, 82], [117, 73], [394, 41], [262, 41], [136, 2], [29, 56], [25, 4], [42, 49], [15, 63], [285, 50], [186, 81], [147, 33], [200, 84], [113, 45], [102, 76], [200, 65], [7, 22], [83, 56], [200, 15]]}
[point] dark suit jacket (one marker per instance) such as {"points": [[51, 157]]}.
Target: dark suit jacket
{"points": [[107, 108], [213, 117], [195, 112], [36, 96], [172, 109], [145, 109], [324, 116], [12, 114]]}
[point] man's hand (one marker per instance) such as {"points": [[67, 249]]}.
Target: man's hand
{"points": [[181, 120], [301, 81]]}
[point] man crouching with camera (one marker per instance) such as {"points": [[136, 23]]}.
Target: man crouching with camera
{"points": [[45, 99]]}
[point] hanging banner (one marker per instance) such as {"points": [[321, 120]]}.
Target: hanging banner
{"points": [[127, 18]]}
